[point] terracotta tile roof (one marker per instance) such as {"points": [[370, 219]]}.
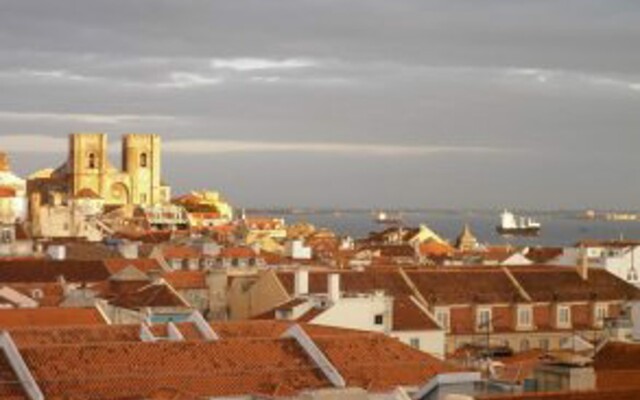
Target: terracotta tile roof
{"points": [[618, 356], [181, 280], [392, 250], [223, 368], [146, 265], [271, 329], [41, 270], [137, 295], [180, 252], [465, 286], [108, 362], [10, 386], [273, 258], [387, 280], [379, 363], [52, 293], [90, 251], [49, 316], [564, 284], [237, 252], [433, 248], [542, 255], [408, 316]]}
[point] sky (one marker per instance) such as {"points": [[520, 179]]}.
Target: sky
{"points": [[340, 103]]}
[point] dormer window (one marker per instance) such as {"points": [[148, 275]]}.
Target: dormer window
{"points": [[92, 161], [144, 161]]}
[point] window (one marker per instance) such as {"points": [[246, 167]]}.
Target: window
{"points": [[483, 318], [524, 345], [378, 319], [632, 275], [600, 313], [443, 318], [564, 316], [415, 343], [6, 236], [524, 317], [37, 294], [92, 161], [144, 161], [544, 344]]}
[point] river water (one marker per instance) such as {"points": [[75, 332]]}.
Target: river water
{"points": [[558, 229]]}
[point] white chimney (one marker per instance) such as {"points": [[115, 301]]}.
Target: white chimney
{"points": [[583, 265], [301, 282], [635, 320], [333, 287], [129, 250], [57, 252]]}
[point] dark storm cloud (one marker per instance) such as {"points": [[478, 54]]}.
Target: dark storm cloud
{"points": [[416, 103]]}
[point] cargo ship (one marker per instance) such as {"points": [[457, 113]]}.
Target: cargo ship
{"points": [[510, 224], [384, 218]]}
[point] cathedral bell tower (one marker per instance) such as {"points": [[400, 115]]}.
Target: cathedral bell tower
{"points": [[141, 161], [88, 163]]}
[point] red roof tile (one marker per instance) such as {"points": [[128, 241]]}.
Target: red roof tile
{"points": [[237, 252], [408, 316], [49, 316], [181, 280], [41, 270]]}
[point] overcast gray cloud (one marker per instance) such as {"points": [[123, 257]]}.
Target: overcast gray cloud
{"points": [[451, 103]]}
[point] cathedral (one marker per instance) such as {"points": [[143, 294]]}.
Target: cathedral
{"points": [[87, 173]]}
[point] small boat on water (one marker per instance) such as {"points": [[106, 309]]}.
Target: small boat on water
{"points": [[384, 218], [511, 224]]}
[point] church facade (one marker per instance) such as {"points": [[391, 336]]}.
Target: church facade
{"points": [[87, 173]]}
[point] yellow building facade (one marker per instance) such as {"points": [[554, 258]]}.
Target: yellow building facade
{"points": [[88, 170]]}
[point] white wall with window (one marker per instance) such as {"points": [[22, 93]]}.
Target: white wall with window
{"points": [[524, 317], [563, 316], [443, 317], [600, 313], [483, 319]]}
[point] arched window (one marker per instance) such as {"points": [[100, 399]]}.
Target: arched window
{"points": [[144, 160], [92, 160]]}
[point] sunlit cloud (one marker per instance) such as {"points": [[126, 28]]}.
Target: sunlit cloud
{"points": [[255, 64], [183, 80], [34, 144], [231, 146], [50, 75], [81, 117]]}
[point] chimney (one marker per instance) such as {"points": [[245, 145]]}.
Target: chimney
{"points": [[301, 282], [583, 266], [333, 287], [635, 320], [129, 250], [57, 252]]}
